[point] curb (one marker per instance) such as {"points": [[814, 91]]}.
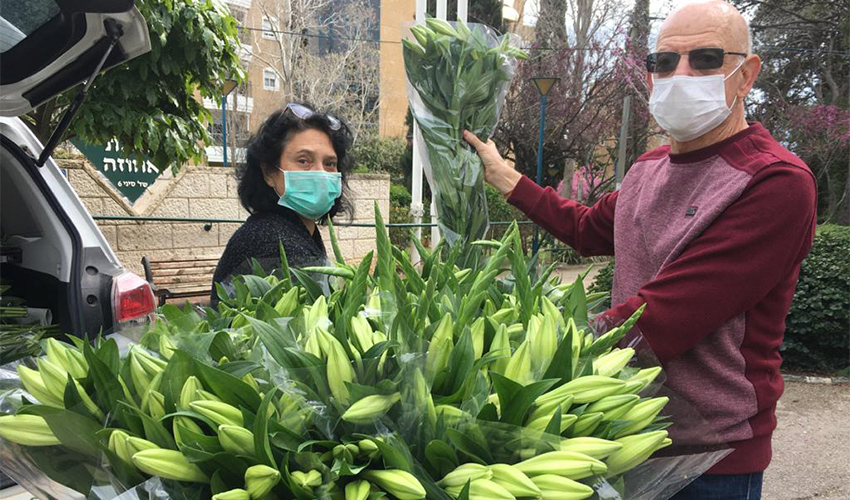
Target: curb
{"points": [[808, 379]]}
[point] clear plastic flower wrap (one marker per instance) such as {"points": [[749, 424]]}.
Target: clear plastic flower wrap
{"points": [[458, 76], [446, 383]]}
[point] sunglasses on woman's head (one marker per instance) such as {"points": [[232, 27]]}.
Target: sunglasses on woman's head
{"points": [[304, 113], [698, 59]]}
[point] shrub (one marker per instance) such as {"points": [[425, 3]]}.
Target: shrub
{"points": [[400, 213], [818, 325], [603, 282], [380, 155]]}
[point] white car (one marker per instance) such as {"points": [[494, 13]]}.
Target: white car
{"points": [[51, 250]]}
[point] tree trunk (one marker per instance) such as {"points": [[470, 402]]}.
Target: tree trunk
{"points": [[638, 45], [569, 171]]}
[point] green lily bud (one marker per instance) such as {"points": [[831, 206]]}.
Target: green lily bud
{"points": [[519, 366], [642, 414], [189, 392], [71, 360], [591, 446], [452, 415], [154, 404], [368, 448], [362, 333], [477, 334], [369, 408], [260, 479], [464, 473], [88, 402], [234, 494], [441, 26], [586, 424], [250, 380], [636, 450], [398, 483], [550, 310], [482, 489], [439, 348], [170, 464], [609, 365], [583, 389], [220, 413], [117, 444], [543, 344], [645, 376], [166, 346], [287, 303], [501, 344], [541, 423], [54, 376], [563, 463], [549, 408], [27, 430], [357, 490], [237, 440], [310, 479], [339, 368], [421, 34], [554, 487], [143, 369], [180, 424], [34, 384], [514, 481], [615, 406]]}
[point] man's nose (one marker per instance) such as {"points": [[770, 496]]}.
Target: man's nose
{"points": [[684, 66]]}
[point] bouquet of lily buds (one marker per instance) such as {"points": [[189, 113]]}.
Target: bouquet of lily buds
{"points": [[458, 77], [484, 383]]}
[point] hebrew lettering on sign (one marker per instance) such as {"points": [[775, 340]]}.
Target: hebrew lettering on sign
{"points": [[130, 176]]}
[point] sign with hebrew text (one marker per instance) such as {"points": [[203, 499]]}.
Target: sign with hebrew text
{"points": [[129, 176]]}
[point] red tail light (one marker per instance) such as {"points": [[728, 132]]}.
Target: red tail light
{"points": [[132, 298]]}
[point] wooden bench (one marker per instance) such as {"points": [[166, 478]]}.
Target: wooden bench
{"points": [[181, 279]]}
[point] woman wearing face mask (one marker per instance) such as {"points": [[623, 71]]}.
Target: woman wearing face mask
{"points": [[293, 179]]}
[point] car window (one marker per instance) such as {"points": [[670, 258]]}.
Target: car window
{"points": [[20, 18]]}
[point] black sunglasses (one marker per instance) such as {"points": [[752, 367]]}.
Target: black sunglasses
{"points": [[304, 113], [699, 59]]}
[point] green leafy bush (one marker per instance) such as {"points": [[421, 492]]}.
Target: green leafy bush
{"points": [[818, 326], [380, 155], [603, 282], [400, 213]]}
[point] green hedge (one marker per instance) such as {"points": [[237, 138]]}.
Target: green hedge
{"points": [[817, 337], [818, 326], [400, 213], [380, 155]]}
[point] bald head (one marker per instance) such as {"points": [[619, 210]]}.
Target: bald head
{"points": [[705, 23]]}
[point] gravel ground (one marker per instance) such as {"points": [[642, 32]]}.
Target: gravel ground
{"points": [[811, 445]]}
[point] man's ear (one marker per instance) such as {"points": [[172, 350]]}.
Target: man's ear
{"points": [[649, 81], [750, 71]]}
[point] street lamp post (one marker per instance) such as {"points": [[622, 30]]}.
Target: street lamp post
{"points": [[229, 85], [543, 85]]}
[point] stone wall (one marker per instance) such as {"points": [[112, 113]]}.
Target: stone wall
{"points": [[200, 192]]}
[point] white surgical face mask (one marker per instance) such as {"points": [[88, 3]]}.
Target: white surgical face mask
{"points": [[689, 106]]}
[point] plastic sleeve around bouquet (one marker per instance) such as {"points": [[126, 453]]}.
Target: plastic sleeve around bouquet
{"points": [[457, 79]]}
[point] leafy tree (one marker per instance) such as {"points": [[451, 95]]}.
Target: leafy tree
{"points": [[151, 104], [803, 88]]}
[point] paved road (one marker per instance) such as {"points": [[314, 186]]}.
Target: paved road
{"points": [[811, 446]]}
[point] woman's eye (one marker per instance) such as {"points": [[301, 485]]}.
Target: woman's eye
{"points": [[303, 161]]}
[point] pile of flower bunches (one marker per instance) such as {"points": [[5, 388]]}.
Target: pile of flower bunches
{"points": [[344, 382]]}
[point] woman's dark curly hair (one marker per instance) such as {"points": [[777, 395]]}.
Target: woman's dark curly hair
{"points": [[263, 155]]}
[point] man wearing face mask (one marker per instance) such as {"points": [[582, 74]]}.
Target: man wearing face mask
{"points": [[708, 231]]}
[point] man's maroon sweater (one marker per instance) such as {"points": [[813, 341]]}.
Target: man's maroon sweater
{"points": [[711, 241]]}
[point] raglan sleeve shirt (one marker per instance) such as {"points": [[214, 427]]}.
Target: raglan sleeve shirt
{"points": [[590, 230], [723, 272]]}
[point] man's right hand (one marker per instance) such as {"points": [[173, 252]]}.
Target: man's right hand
{"points": [[497, 172]]}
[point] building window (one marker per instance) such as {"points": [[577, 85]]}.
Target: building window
{"points": [[269, 79], [269, 28]]}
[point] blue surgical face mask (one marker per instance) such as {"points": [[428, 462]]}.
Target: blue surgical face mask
{"points": [[310, 193]]}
